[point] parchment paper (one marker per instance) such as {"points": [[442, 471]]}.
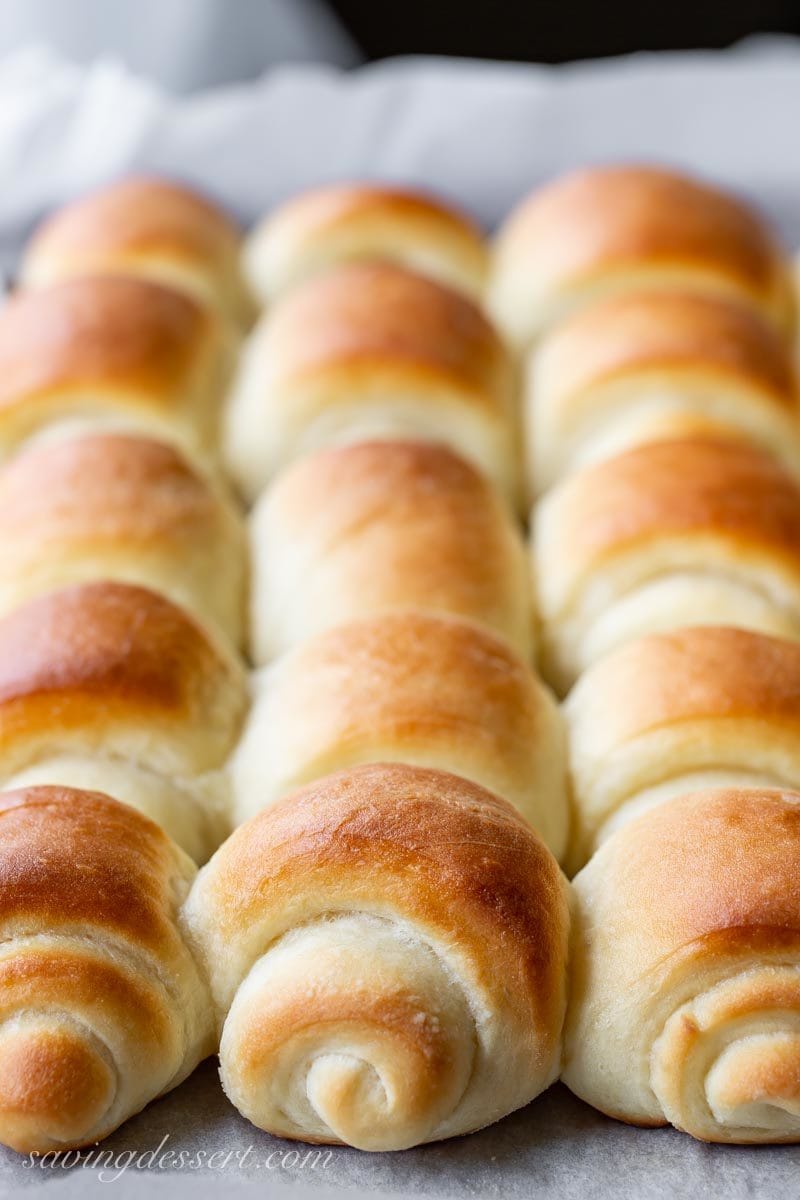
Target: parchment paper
{"points": [[481, 134]]}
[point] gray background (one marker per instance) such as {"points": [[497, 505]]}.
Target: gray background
{"points": [[556, 1147]]}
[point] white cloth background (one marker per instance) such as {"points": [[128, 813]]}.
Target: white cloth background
{"points": [[480, 132], [182, 45]]}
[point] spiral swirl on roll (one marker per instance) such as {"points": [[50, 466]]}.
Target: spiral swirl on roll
{"points": [[685, 1004], [387, 953], [730, 1059], [102, 1006]]}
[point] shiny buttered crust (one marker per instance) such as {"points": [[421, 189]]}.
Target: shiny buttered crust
{"points": [[112, 352], [116, 506], [640, 367], [669, 713], [102, 1007], [143, 226], [687, 532], [373, 527], [619, 228], [107, 681], [351, 222], [407, 687], [685, 975], [371, 350], [387, 953]]}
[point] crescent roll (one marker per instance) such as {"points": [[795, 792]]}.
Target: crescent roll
{"points": [[110, 687], [116, 353], [146, 227], [702, 531], [676, 712], [408, 687], [612, 229], [372, 527], [387, 955], [685, 977], [349, 222], [102, 1006], [370, 350], [117, 506], [646, 366]]}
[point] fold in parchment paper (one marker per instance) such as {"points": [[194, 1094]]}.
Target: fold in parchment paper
{"points": [[481, 133]]}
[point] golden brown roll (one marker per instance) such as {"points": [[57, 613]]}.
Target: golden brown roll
{"points": [[675, 712], [110, 687], [116, 506], [117, 353], [143, 226], [685, 969], [102, 1007], [647, 365], [373, 527], [387, 954], [371, 350], [701, 531], [348, 222], [611, 229], [407, 687]]}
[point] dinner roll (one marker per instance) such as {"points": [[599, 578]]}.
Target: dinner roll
{"points": [[350, 221], [102, 1006], [117, 506], [611, 229], [376, 526], [110, 687], [645, 365], [387, 955], [675, 712], [701, 531], [117, 353], [143, 226], [685, 969], [407, 687], [371, 350]]}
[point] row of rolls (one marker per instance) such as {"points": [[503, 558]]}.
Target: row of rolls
{"points": [[659, 392], [333, 705]]}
